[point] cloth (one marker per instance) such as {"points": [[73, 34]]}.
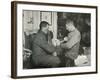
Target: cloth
{"points": [[71, 47], [42, 51], [82, 60]]}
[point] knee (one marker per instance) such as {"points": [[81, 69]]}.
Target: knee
{"points": [[56, 62]]}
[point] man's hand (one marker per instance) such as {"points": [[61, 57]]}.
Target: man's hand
{"points": [[56, 42], [65, 38], [55, 54], [26, 54]]}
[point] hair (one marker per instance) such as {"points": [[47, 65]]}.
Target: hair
{"points": [[69, 21], [43, 24]]}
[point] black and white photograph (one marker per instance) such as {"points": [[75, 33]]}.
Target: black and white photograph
{"points": [[66, 45], [54, 39]]}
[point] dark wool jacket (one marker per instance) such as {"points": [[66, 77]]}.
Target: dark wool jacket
{"points": [[40, 46]]}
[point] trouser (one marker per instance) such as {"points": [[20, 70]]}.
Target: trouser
{"points": [[66, 61], [45, 61], [69, 62]]}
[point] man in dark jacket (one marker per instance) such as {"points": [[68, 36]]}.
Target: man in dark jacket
{"points": [[42, 55]]}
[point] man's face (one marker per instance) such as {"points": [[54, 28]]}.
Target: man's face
{"points": [[70, 26], [46, 29]]}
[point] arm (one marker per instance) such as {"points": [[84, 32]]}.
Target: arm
{"points": [[71, 42], [42, 42]]}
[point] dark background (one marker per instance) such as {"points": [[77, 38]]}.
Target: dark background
{"points": [[82, 22]]}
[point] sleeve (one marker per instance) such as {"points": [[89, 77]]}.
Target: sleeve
{"points": [[42, 42], [71, 42]]}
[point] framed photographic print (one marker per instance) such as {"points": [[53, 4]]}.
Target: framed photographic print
{"points": [[53, 39]]}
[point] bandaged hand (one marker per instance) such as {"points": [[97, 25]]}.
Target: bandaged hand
{"points": [[65, 38], [56, 42]]}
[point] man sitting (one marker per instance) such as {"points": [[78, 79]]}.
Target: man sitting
{"points": [[42, 51]]}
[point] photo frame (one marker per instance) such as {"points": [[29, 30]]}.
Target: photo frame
{"points": [[25, 20]]}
